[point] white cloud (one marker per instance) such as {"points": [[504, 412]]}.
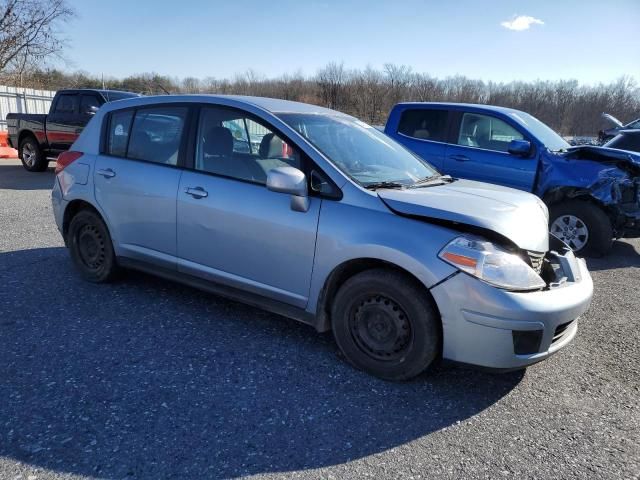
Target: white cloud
{"points": [[521, 22]]}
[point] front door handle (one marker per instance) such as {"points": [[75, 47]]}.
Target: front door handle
{"points": [[459, 158], [196, 192], [107, 173]]}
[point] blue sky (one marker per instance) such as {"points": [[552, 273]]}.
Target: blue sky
{"points": [[592, 41]]}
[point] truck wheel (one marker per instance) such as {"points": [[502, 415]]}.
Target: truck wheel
{"points": [[31, 155], [91, 248], [385, 325], [583, 226]]}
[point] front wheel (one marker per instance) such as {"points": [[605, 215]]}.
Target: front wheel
{"points": [[32, 157], [583, 226], [385, 325]]}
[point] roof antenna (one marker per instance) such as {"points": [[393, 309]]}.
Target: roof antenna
{"points": [[103, 81]]}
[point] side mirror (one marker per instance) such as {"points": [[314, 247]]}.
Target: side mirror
{"points": [[293, 182], [92, 110], [521, 148]]}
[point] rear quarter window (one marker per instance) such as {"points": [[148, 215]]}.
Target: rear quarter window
{"points": [[424, 124], [118, 132]]}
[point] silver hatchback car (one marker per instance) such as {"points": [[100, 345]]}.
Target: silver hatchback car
{"points": [[314, 215]]}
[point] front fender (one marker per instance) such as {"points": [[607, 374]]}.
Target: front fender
{"points": [[347, 233]]}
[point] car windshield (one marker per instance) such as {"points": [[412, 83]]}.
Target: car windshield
{"points": [[363, 153], [542, 132]]}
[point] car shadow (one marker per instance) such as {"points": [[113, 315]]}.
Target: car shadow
{"points": [[622, 255], [145, 378], [13, 176]]}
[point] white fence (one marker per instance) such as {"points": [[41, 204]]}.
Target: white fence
{"points": [[23, 100]]}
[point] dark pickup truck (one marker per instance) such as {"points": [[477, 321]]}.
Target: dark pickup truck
{"points": [[39, 138]]}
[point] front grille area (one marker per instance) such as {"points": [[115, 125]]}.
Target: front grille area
{"points": [[536, 259], [560, 331]]}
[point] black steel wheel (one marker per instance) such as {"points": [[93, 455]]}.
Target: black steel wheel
{"points": [[385, 323], [91, 248], [380, 328]]}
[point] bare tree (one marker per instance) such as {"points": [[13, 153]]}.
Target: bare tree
{"points": [[332, 83], [369, 94], [28, 32]]}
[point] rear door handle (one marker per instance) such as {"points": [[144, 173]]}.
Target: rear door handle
{"points": [[107, 173], [459, 158], [196, 192]]}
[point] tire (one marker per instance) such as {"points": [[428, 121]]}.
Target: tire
{"points": [[91, 247], [592, 233], [384, 324], [31, 155]]}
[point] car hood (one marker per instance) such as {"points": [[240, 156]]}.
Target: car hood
{"points": [[611, 120], [521, 217], [603, 154]]}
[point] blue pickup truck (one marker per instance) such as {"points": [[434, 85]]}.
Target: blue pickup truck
{"points": [[593, 193]]}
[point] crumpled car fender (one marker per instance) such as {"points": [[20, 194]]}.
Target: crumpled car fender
{"points": [[601, 173]]}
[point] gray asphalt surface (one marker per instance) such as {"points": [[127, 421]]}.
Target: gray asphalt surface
{"points": [[149, 379]]}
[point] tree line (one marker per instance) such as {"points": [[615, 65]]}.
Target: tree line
{"points": [[30, 36], [567, 106]]}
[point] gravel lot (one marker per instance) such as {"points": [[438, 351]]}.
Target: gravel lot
{"points": [[149, 379]]}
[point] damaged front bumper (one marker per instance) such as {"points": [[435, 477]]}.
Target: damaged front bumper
{"points": [[498, 329], [628, 212]]}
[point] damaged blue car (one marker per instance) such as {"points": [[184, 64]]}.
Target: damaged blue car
{"points": [[593, 193]]}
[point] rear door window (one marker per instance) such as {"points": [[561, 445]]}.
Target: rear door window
{"points": [[424, 124], [156, 134], [486, 132], [67, 103], [88, 103]]}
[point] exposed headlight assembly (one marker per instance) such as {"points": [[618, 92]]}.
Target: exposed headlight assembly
{"points": [[491, 263]]}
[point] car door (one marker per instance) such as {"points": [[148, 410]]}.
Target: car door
{"points": [[231, 228], [136, 181], [424, 131], [63, 125], [479, 151]]}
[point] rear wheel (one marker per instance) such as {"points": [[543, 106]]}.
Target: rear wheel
{"points": [[385, 324], [32, 157], [583, 226], [91, 248]]}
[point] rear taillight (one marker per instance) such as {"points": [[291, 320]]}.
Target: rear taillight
{"points": [[65, 159]]}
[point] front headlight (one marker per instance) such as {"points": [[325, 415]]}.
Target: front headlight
{"points": [[491, 263]]}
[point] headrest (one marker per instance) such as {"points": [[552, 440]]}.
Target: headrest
{"points": [[422, 133], [270, 146], [218, 141]]}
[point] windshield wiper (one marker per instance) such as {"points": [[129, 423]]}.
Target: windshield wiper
{"points": [[376, 185], [427, 181]]}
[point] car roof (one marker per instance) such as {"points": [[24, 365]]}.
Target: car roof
{"points": [[460, 106], [276, 105], [272, 105], [96, 90]]}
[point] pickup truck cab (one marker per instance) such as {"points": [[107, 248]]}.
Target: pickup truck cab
{"points": [[39, 138], [593, 193]]}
